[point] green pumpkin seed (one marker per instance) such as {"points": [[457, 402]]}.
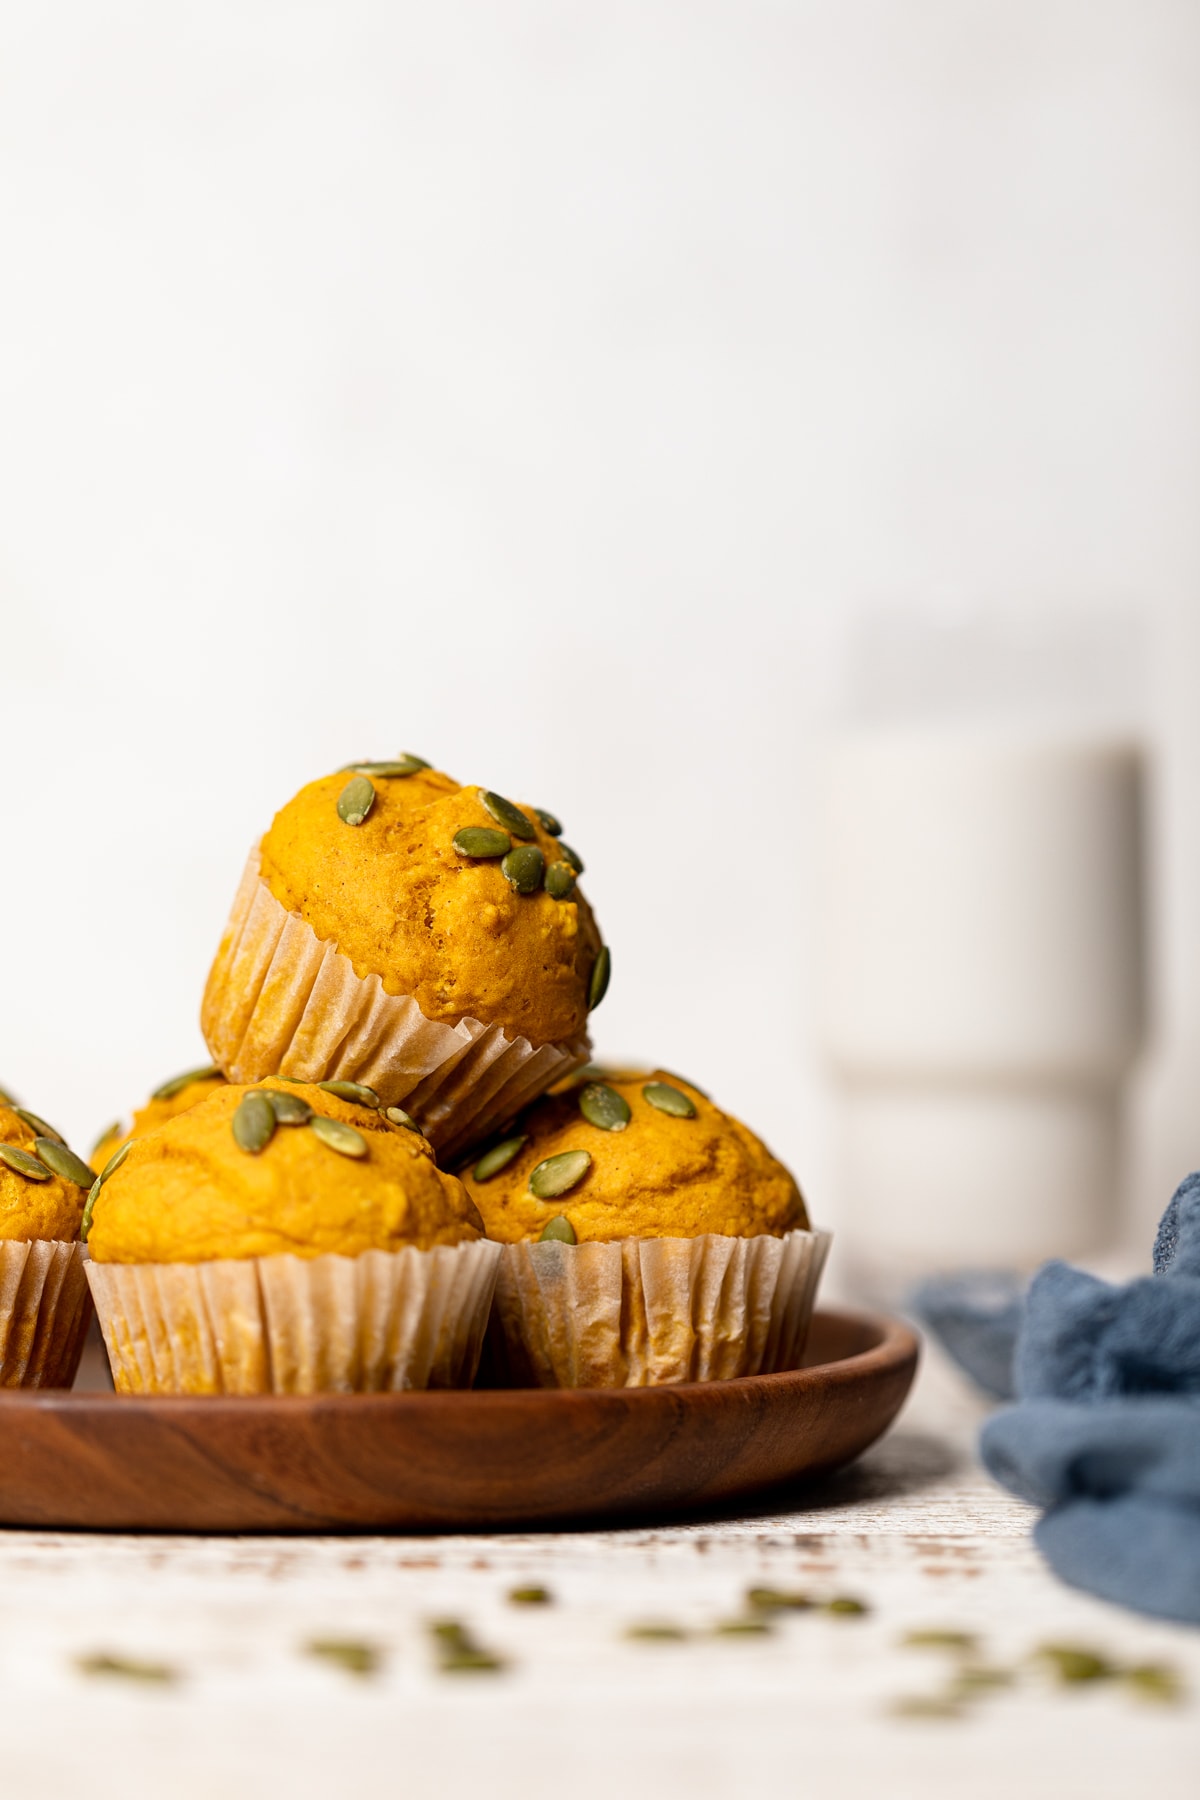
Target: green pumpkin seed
{"points": [[530, 1596], [115, 1160], [289, 1109], [655, 1633], [571, 856], [388, 771], [777, 1600], [398, 1116], [523, 868], [743, 1628], [348, 1654], [510, 817], [669, 1100], [844, 1606], [113, 1130], [601, 974], [602, 1106], [38, 1126], [560, 879], [481, 842], [62, 1161], [558, 1231], [497, 1158], [1158, 1682], [356, 1092], [7, 1099], [22, 1163], [177, 1083], [1073, 1663], [342, 1138], [558, 1174], [253, 1123], [937, 1638], [355, 801], [547, 821], [85, 1224]]}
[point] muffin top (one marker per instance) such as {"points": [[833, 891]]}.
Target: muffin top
{"points": [[36, 1199], [632, 1155], [176, 1096], [196, 1189], [466, 931]]}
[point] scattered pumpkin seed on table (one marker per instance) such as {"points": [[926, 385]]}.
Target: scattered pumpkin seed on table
{"points": [[603, 1107], [558, 1174], [530, 1596], [253, 1124], [126, 1667], [560, 880], [482, 843], [61, 1160], [743, 1628], [558, 1231], [342, 1138], [776, 1600], [356, 1092], [523, 868], [347, 1653], [600, 977], [21, 1163], [498, 1157], [547, 821], [508, 816], [168, 1089], [355, 801], [669, 1099]]}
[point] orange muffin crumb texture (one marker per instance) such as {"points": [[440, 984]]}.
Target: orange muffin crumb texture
{"points": [[659, 1175], [400, 902], [187, 1192], [156, 1112]]}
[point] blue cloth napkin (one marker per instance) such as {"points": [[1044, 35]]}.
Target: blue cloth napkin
{"points": [[1105, 1435]]}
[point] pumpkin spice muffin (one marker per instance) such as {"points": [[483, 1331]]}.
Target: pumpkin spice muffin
{"points": [[430, 939], [44, 1303], [651, 1237], [166, 1102], [287, 1238]]}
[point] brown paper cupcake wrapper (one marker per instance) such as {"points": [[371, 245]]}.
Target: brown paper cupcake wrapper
{"points": [[297, 1325], [280, 1001], [649, 1310], [45, 1310]]}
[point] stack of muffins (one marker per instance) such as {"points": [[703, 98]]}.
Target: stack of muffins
{"points": [[400, 1160]]}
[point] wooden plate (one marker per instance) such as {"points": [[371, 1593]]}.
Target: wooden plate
{"points": [[447, 1461]]}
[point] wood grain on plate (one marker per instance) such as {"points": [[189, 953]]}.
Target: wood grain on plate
{"points": [[447, 1461]]}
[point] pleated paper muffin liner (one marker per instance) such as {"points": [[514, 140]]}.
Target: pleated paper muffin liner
{"points": [[281, 1001], [643, 1311], [368, 1324], [45, 1310]]}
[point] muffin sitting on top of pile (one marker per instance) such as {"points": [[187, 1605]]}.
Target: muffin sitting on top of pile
{"points": [[429, 939]]}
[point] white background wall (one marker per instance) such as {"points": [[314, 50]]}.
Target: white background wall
{"points": [[601, 400]]}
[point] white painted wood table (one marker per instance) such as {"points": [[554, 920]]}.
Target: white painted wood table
{"points": [[581, 1710]]}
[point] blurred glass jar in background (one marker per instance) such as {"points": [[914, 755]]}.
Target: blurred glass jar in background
{"points": [[982, 960]]}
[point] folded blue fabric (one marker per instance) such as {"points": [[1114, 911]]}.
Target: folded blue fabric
{"points": [[1106, 1432]]}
